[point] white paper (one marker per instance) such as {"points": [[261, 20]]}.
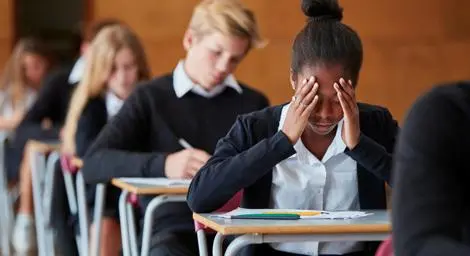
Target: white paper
{"points": [[323, 215], [157, 181]]}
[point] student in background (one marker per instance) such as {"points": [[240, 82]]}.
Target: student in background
{"points": [[116, 62], [21, 80], [321, 151], [50, 108], [198, 102], [431, 197], [53, 99]]}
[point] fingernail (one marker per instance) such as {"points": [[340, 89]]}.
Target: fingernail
{"points": [[341, 80], [350, 82]]}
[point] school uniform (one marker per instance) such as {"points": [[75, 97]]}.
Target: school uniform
{"points": [[96, 114], [53, 103], [160, 112], [257, 156], [431, 199]]}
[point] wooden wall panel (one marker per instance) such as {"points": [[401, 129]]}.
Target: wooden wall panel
{"points": [[6, 30], [409, 45]]}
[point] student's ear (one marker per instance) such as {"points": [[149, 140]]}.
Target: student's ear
{"points": [[189, 39], [293, 79]]}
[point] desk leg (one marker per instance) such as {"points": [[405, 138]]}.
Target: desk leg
{"points": [[248, 239], [46, 194], [38, 164], [97, 217], [131, 228], [202, 243], [83, 221], [72, 199], [242, 241], [217, 245], [124, 220], [148, 219]]}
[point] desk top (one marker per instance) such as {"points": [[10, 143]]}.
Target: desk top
{"points": [[379, 222], [42, 147], [77, 162], [148, 189]]}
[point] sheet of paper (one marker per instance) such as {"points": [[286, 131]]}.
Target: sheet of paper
{"points": [[304, 214], [157, 181]]}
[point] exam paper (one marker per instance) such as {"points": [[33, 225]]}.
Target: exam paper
{"points": [[157, 181], [322, 215]]}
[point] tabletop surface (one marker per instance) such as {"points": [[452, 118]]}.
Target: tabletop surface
{"points": [[378, 222], [142, 188]]}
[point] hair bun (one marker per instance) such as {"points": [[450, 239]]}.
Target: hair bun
{"points": [[319, 10]]}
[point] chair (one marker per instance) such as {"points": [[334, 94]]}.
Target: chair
{"points": [[76, 196], [385, 248], [200, 229]]}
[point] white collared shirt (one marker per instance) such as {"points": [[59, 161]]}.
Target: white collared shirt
{"points": [[113, 104], [182, 84], [77, 71], [6, 104], [304, 182]]}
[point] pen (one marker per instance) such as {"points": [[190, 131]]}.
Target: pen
{"points": [[184, 143], [267, 216]]}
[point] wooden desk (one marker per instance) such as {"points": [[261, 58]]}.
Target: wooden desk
{"points": [[42, 157], [374, 227], [77, 162], [42, 147], [163, 194], [147, 189]]}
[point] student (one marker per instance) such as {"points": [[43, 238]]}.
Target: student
{"points": [[198, 102], [21, 80], [321, 151], [50, 107], [431, 197], [53, 99], [116, 55]]}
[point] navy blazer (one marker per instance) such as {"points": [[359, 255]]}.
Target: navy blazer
{"points": [[92, 120], [245, 157]]}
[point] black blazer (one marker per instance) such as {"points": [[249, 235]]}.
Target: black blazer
{"points": [[52, 102], [92, 120], [431, 199], [244, 159]]}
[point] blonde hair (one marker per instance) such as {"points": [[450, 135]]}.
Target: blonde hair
{"points": [[229, 17], [99, 63], [13, 80]]}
